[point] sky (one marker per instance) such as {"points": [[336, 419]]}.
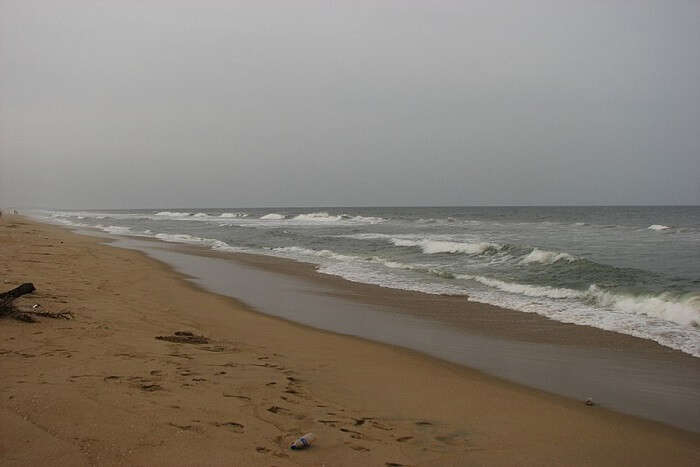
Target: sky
{"points": [[141, 104]]}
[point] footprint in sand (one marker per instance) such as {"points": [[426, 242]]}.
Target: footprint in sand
{"points": [[245, 398], [353, 434], [382, 427], [278, 410], [151, 387], [233, 426], [180, 427], [357, 447]]}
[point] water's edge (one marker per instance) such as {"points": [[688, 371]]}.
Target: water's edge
{"points": [[666, 390]]}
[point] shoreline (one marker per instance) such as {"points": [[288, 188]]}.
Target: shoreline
{"points": [[622, 372], [469, 417]]}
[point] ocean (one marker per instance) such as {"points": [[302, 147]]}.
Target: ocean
{"points": [[632, 270]]}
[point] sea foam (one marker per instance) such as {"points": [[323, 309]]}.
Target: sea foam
{"points": [[546, 257], [658, 227], [172, 214], [430, 247], [193, 240], [524, 289], [272, 216], [325, 217]]}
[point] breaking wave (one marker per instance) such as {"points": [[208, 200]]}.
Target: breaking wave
{"points": [[200, 241], [272, 216], [430, 247], [684, 309], [325, 217], [310, 252], [546, 257], [524, 289], [658, 227], [116, 229], [172, 214]]}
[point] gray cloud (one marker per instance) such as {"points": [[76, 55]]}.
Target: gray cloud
{"points": [[154, 104]]}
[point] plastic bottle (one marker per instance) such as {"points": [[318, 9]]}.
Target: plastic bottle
{"points": [[303, 442]]}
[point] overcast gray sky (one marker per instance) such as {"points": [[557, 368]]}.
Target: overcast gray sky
{"points": [[118, 104]]}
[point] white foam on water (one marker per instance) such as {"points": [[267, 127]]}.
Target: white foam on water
{"points": [[117, 230], [272, 216], [546, 257], [524, 289], [684, 310], [309, 252], [432, 244], [670, 321], [233, 215], [172, 214], [325, 217], [658, 227], [212, 243], [317, 217], [430, 247]]}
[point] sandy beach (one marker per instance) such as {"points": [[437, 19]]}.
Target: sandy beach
{"points": [[102, 389]]}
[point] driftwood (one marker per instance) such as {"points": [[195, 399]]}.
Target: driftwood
{"points": [[7, 308], [6, 298]]}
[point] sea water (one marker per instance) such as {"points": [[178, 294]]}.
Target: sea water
{"points": [[633, 270]]}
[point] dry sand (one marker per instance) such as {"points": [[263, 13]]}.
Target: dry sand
{"points": [[101, 389]]}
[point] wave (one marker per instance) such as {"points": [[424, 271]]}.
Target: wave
{"points": [[430, 247], [325, 217], [318, 216], [310, 252], [524, 289], [192, 240], [116, 229], [296, 251], [233, 215], [546, 257], [658, 227], [172, 214], [272, 216], [366, 219], [684, 309]]}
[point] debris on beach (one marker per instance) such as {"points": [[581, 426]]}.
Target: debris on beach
{"points": [[184, 337], [7, 307], [589, 402], [303, 442]]}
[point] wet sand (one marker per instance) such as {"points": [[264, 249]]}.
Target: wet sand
{"points": [[618, 371], [101, 389]]}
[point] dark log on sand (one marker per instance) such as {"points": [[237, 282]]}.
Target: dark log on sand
{"points": [[6, 298], [6, 308]]}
